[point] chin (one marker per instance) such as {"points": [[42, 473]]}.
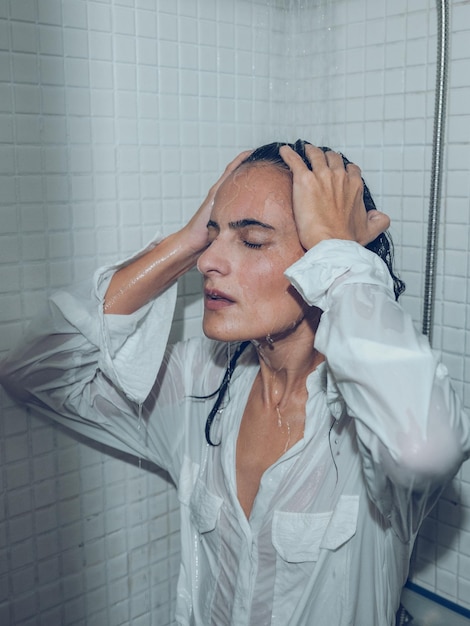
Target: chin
{"points": [[219, 335], [219, 332]]}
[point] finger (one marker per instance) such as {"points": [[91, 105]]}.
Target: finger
{"points": [[354, 170], [291, 158], [316, 156], [238, 160], [334, 160], [377, 223], [229, 169]]}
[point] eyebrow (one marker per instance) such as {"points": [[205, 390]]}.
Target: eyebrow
{"points": [[245, 223]]}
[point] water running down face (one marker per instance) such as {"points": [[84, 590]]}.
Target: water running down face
{"points": [[253, 240]]}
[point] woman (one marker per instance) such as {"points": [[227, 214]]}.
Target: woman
{"points": [[302, 492]]}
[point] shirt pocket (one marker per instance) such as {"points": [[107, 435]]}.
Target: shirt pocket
{"points": [[205, 508], [312, 556]]}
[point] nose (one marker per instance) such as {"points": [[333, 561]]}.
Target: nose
{"points": [[214, 259]]}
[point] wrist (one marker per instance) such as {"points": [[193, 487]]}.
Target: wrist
{"points": [[191, 242]]}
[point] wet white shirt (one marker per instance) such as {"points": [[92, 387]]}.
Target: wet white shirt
{"points": [[332, 527]]}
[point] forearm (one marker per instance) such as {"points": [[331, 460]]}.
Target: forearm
{"points": [[135, 284], [72, 341], [149, 275]]}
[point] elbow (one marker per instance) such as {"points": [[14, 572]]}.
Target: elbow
{"points": [[439, 456], [421, 462], [434, 445]]}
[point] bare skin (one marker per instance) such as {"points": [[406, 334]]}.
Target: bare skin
{"points": [[273, 421], [243, 237], [139, 282]]}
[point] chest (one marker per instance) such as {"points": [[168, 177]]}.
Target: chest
{"points": [[261, 442]]}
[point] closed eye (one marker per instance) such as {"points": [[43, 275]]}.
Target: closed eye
{"points": [[244, 227], [250, 244]]}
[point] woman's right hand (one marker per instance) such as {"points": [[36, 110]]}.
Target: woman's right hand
{"points": [[196, 229], [148, 275]]}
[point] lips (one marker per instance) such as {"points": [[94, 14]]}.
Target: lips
{"points": [[215, 300]]}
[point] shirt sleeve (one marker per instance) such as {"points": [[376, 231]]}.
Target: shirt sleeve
{"points": [[95, 372], [412, 432]]}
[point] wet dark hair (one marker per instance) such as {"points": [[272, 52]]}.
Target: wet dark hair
{"points": [[382, 246]]}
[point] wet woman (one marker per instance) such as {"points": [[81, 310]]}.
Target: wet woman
{"points": [[308, 433]]}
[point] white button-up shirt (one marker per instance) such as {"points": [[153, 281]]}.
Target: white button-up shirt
{"points": [[332, 527]]}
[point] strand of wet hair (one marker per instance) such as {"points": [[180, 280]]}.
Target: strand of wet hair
{"points": [[333, 424], [221, 391]]}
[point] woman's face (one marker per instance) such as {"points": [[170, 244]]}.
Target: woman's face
{"points": [[253, 240]]}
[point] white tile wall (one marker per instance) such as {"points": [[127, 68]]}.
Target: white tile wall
{"points": [[115, 117]]}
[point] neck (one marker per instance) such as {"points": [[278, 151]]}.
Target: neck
{"points": [[285, 363]]}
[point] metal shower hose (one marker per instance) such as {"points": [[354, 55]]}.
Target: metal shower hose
{"points": [[436, 172]]}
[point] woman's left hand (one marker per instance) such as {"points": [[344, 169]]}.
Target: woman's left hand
{"points": [[328, 201]]}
